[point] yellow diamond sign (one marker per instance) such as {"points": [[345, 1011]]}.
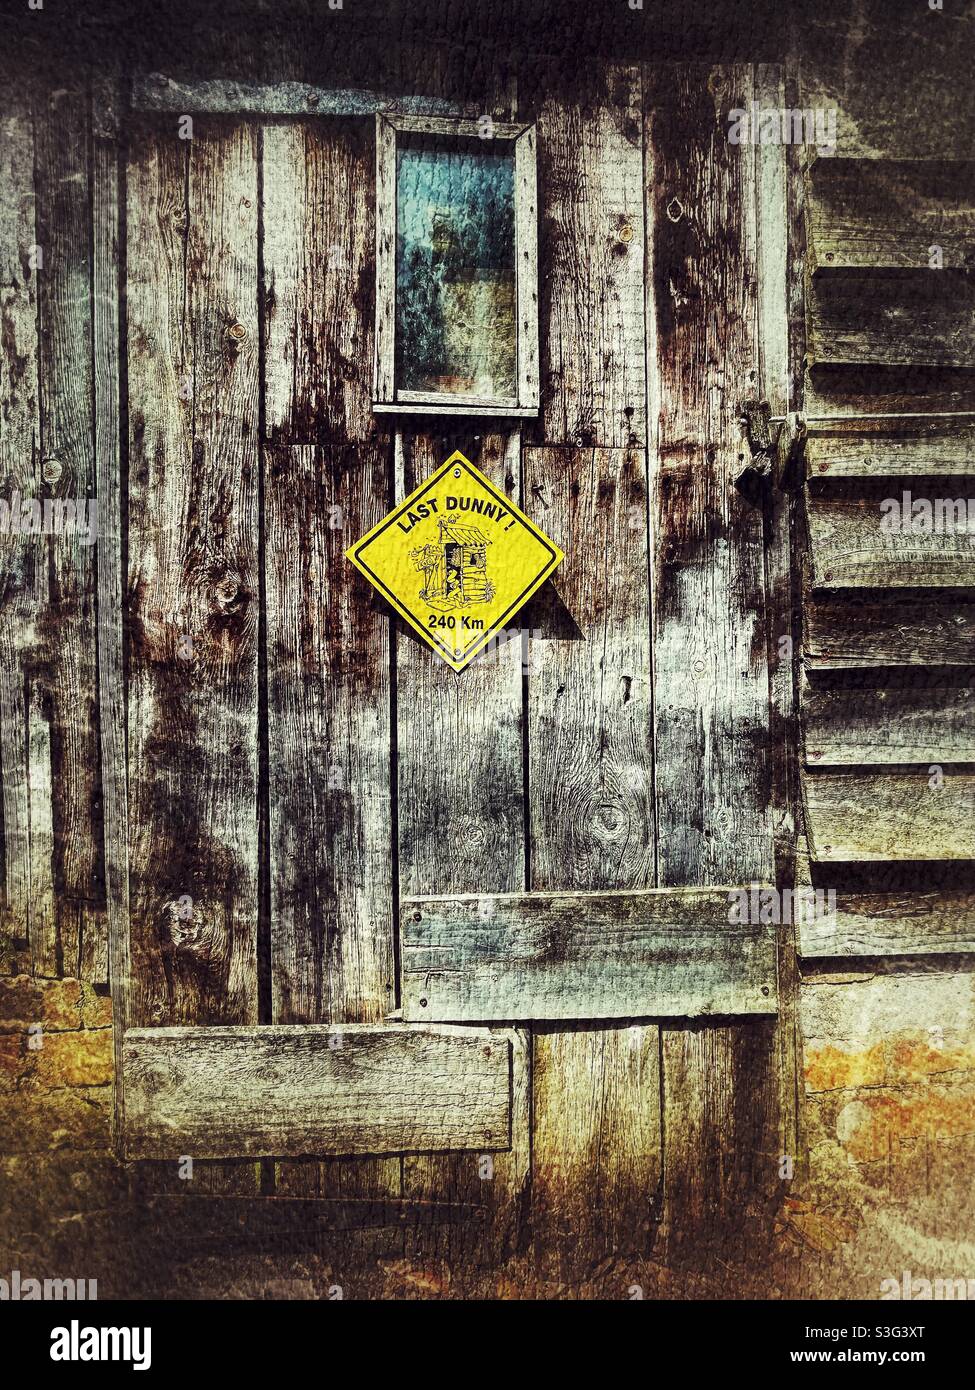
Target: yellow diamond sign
{"points": [[457, 559]]}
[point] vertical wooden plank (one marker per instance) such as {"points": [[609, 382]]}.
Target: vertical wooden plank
{"points": [[328, 659], [385, 346], [596, 1140], [193, 583], [590, 166], [106, 326], [461, 829], [67, 659], [460, 792], [710, 639], [783, 621], [22, 580]]}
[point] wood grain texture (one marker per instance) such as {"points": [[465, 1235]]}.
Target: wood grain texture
{"points": [[925, 815], [711, 693], [841, 634], [590, 167], [893, 924], [461, 829], [861, 318], [66, 656], [229, 1092], [888, 213], [891, 449], [655, 953], [318, 227], [158, 91], [855, 543], [106, 296], [23, 583], [596, 1151], [328, 650], [935, 724], [193, 585]]}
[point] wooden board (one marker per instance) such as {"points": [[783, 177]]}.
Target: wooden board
{"points": [[843, 634], [591, 825], [193, 575], [711, 694], [656, 953], [328, 668], [462, 829], [889, 724], [874, 319], [897, 816], [349, 1089], [891, 449], [23, 584], [893, 924], [64, 660], [853, 547], [890, 213], [590, 176]]}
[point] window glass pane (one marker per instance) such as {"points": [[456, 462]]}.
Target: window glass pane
{"points": [[455, 268]]}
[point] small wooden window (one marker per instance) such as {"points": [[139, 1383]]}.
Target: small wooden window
{"points": [[456, 267]]}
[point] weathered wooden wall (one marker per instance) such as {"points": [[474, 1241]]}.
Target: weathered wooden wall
{"points": [[286, 764]]}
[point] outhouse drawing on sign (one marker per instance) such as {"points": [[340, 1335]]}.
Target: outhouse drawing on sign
{"points": [[455, 568]]}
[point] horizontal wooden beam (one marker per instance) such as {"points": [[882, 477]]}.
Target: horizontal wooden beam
{"points": [[892, 319], [889, 725], [885, 213], [854, 545], [288, 1091], [890, 449], [892, 924], [911, 816], [846, 634], [655, 953], [156, 91]]}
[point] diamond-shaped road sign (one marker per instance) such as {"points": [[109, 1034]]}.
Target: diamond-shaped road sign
{"points": [[457, 559]]}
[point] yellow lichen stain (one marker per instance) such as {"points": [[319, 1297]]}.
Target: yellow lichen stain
{"points": [[882, 1121], [829, 1067], [914, 1056]]}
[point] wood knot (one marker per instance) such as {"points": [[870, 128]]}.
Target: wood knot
{"points": [[51, 469], [236, 334]]}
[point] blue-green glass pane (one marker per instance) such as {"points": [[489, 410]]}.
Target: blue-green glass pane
{"points": [[455, 269]]}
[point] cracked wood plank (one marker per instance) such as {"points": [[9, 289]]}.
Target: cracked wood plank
{"points": [[329, 722], [890, 449], [919, 816], [590, 177], [842, 634], [889, 724], [858, 542], [889, 213], [193, 584], [660, 952], [347, 1089], [596, 1154], [721, 1084]]}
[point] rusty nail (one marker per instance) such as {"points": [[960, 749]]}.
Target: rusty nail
{"points": [[418, 916], [487, 1052], [766, 990], [423, 1003]]}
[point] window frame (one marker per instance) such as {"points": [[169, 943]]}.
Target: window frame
{"points": [[387, 397]]}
